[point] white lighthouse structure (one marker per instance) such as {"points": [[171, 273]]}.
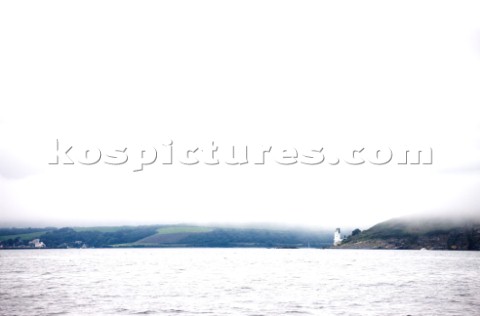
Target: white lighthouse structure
{"points": [[337, 237]]}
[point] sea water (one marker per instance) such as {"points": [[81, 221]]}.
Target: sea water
{"points": [[238, 282]]}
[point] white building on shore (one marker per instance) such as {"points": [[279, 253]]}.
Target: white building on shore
{"points": [[37, 243], [337, 237]]}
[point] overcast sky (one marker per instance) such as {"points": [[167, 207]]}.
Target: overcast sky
{"points": [[301, 74]]}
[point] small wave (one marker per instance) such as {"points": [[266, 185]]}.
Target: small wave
{"points": [[145, 312], [173, 310]]}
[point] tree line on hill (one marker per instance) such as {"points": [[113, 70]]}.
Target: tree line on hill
{"points": [[132, 237]]}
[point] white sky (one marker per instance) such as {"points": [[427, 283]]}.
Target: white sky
{"points": [[114, 74]]}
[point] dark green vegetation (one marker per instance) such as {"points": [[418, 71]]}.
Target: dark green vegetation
{"points": [[22, 233], [165, 236], [418, 233]]}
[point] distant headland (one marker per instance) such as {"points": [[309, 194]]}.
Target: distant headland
{"points": [[430, 233]]}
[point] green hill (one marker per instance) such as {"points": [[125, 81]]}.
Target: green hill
{"points": [[419, 232], [167, 236]]}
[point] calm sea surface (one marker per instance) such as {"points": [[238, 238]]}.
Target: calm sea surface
{"points": [[238, 282]]}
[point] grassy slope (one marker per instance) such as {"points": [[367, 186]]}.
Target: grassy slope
{"points": [[182, 229], [28, 236], [168, 235]]}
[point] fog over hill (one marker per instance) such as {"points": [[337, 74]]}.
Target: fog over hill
{"points": [[454, 232]]}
